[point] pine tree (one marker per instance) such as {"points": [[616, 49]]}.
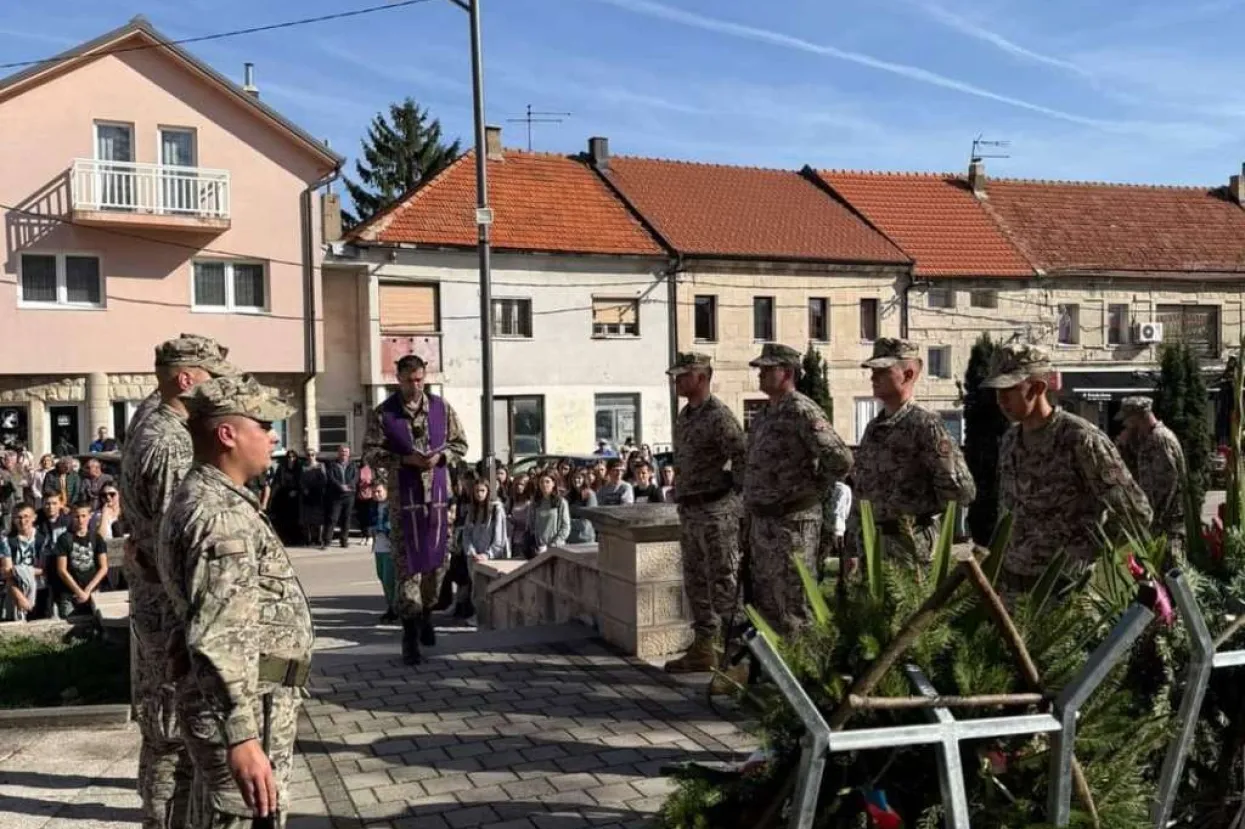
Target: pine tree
{"points": [[984, 425], [1181, 402], [814, 381], [400, 151]]}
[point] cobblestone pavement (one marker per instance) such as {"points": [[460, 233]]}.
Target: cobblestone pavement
{"points": [[503, 734]]}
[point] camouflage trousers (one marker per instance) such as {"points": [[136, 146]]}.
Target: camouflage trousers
{"points": [[218, 803], [773, 543], [905, 544], [709, 541], [416, 592], [165, 775]]}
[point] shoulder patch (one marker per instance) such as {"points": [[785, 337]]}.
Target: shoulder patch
{"points": [[229, 548]]}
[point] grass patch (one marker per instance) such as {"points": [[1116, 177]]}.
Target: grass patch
{"points": [[39, 674]]}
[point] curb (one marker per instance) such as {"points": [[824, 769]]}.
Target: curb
{"points": [[67, 716]]}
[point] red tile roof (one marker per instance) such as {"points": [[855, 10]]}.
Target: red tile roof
{"points": [[541, 202], [1064, 226], [934, 219], [715, 210]]}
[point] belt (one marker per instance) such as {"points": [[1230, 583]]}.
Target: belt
{"points": [[921, 522], [702, 498], [785, 507], [292, 673]]}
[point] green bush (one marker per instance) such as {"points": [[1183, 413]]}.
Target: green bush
{"points": [[37, 674]]}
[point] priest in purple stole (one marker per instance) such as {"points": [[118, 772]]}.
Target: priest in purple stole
{"points": [[413, 438]]}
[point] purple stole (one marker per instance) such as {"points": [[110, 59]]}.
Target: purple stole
{"points": [[422, 513]]}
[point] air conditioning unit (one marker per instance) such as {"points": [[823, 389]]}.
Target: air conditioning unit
{"points": [[1149, 332]]}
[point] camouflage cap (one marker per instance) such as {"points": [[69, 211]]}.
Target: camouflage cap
{"points": [[193, 350], [1130, 406], [887, 351], [776, 354], [236, 395], [1013, 363], [688, 361]]}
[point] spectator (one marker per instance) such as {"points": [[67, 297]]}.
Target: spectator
{"points": [[21, 568], [835, 510], [616, 491], [646, 454], [343, 478], [580, 494], [314, 483], [102, 442], [93, 481], [63, 481], [604, 450], [106, 521], [12, 491], [46, 464], [64, 448], [600, 468], [520, 506], [485, 534], [52, 523], [382, 553], [645, 491], [365, 505], [81, 563], [628, 446], [287, 495], [667, 483], [550, 517]]}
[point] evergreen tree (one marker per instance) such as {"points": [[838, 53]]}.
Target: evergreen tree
{"points": [[814, 381], [400, 151], [1182, 403], [984, 425]]}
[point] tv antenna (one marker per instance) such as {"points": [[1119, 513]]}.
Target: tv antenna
{"points": [[537, 117], [979, 142]]}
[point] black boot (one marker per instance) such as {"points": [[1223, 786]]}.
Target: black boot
{"points": [[410, 642], [427, 633]]}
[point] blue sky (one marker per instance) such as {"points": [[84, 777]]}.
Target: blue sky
{"points": [[1118, 90]]}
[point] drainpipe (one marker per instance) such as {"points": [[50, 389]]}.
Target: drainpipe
{"points": [[672, 325], [908, 282], [311, 368]]}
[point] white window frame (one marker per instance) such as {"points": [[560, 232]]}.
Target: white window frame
{"points": [[631, 300], [945, 350], [1126, 327], [773, 318], [1073, 311], [531, 319], [877, 319], [827, 307], [62, 302], [320, 429], [713, 322], [940, 296], [858, 427], [161, 129], [229, 307]]}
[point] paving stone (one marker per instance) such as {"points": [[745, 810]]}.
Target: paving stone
{"points": [[473, 816], [446, 785], [528, 788], [491, 778], [520, 823]]}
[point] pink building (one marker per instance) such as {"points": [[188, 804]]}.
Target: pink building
{"points": [[143, 194]]}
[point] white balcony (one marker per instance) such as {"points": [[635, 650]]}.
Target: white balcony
{"points": [[154, 195]]}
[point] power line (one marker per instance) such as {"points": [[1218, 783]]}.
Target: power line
{"points": [[288, 24]]}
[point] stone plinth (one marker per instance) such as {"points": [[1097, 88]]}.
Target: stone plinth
{"points": [[642, 610]]}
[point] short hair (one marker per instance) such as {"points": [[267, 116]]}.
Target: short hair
{"points": [[642, 464], [411, 362], [25, 508], [52, 496], [83, 505], [612, 464]]}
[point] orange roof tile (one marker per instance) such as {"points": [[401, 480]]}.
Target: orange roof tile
{"points": [[715, 210], [1117, 227], [541, 202], [934, 218]]}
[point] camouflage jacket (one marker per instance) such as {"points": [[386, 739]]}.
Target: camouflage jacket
{"points": [[709, 449], [1160, 469], [236, 595], [1061, 482], [156, 457], [148, 405], [385, 463], [794, 456], [907, 464]]}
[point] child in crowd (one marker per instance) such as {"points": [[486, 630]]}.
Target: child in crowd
{"points": [[21, 567], [51, 523], [645, 491], [81, 563], [382, 552]]}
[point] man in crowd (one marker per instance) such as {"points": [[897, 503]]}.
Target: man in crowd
{"points": [[63, 481], [616, 492], [12, 490], [243, 618], [157, 455], [343, 477], [644, 490], [794, 457], [94, 479], [102, 442], [907, 466], [1153, 454], [1059, 475], [413, 439], [709, 452]]}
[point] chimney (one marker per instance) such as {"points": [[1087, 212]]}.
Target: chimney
{"points": [[1236, 187], [492, 143], [977, 178], [599, 152], [248, 84], [330, 217]]}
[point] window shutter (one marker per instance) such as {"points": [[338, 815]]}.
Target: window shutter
{"points": [[408, 307]]}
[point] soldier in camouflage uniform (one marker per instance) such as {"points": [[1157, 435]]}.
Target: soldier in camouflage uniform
{"points": [[907, 466], [152, 401], [242, 614], [1059, 475], [709, 451], [413, 439], [156, 456], [794, 457], [1154, 456]]}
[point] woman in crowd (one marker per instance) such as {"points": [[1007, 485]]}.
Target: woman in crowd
{"points": [[287, 496], [520, 506], [580, 494], [667, 483], [315, 483], [504, 484], [485, 536], [106, 521], [549, 518], [46, 464]]}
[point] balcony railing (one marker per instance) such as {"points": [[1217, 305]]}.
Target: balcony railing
{"points": [[155, 189]]}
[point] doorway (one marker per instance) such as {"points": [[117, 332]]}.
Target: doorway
{"points": [[64, 429]]}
